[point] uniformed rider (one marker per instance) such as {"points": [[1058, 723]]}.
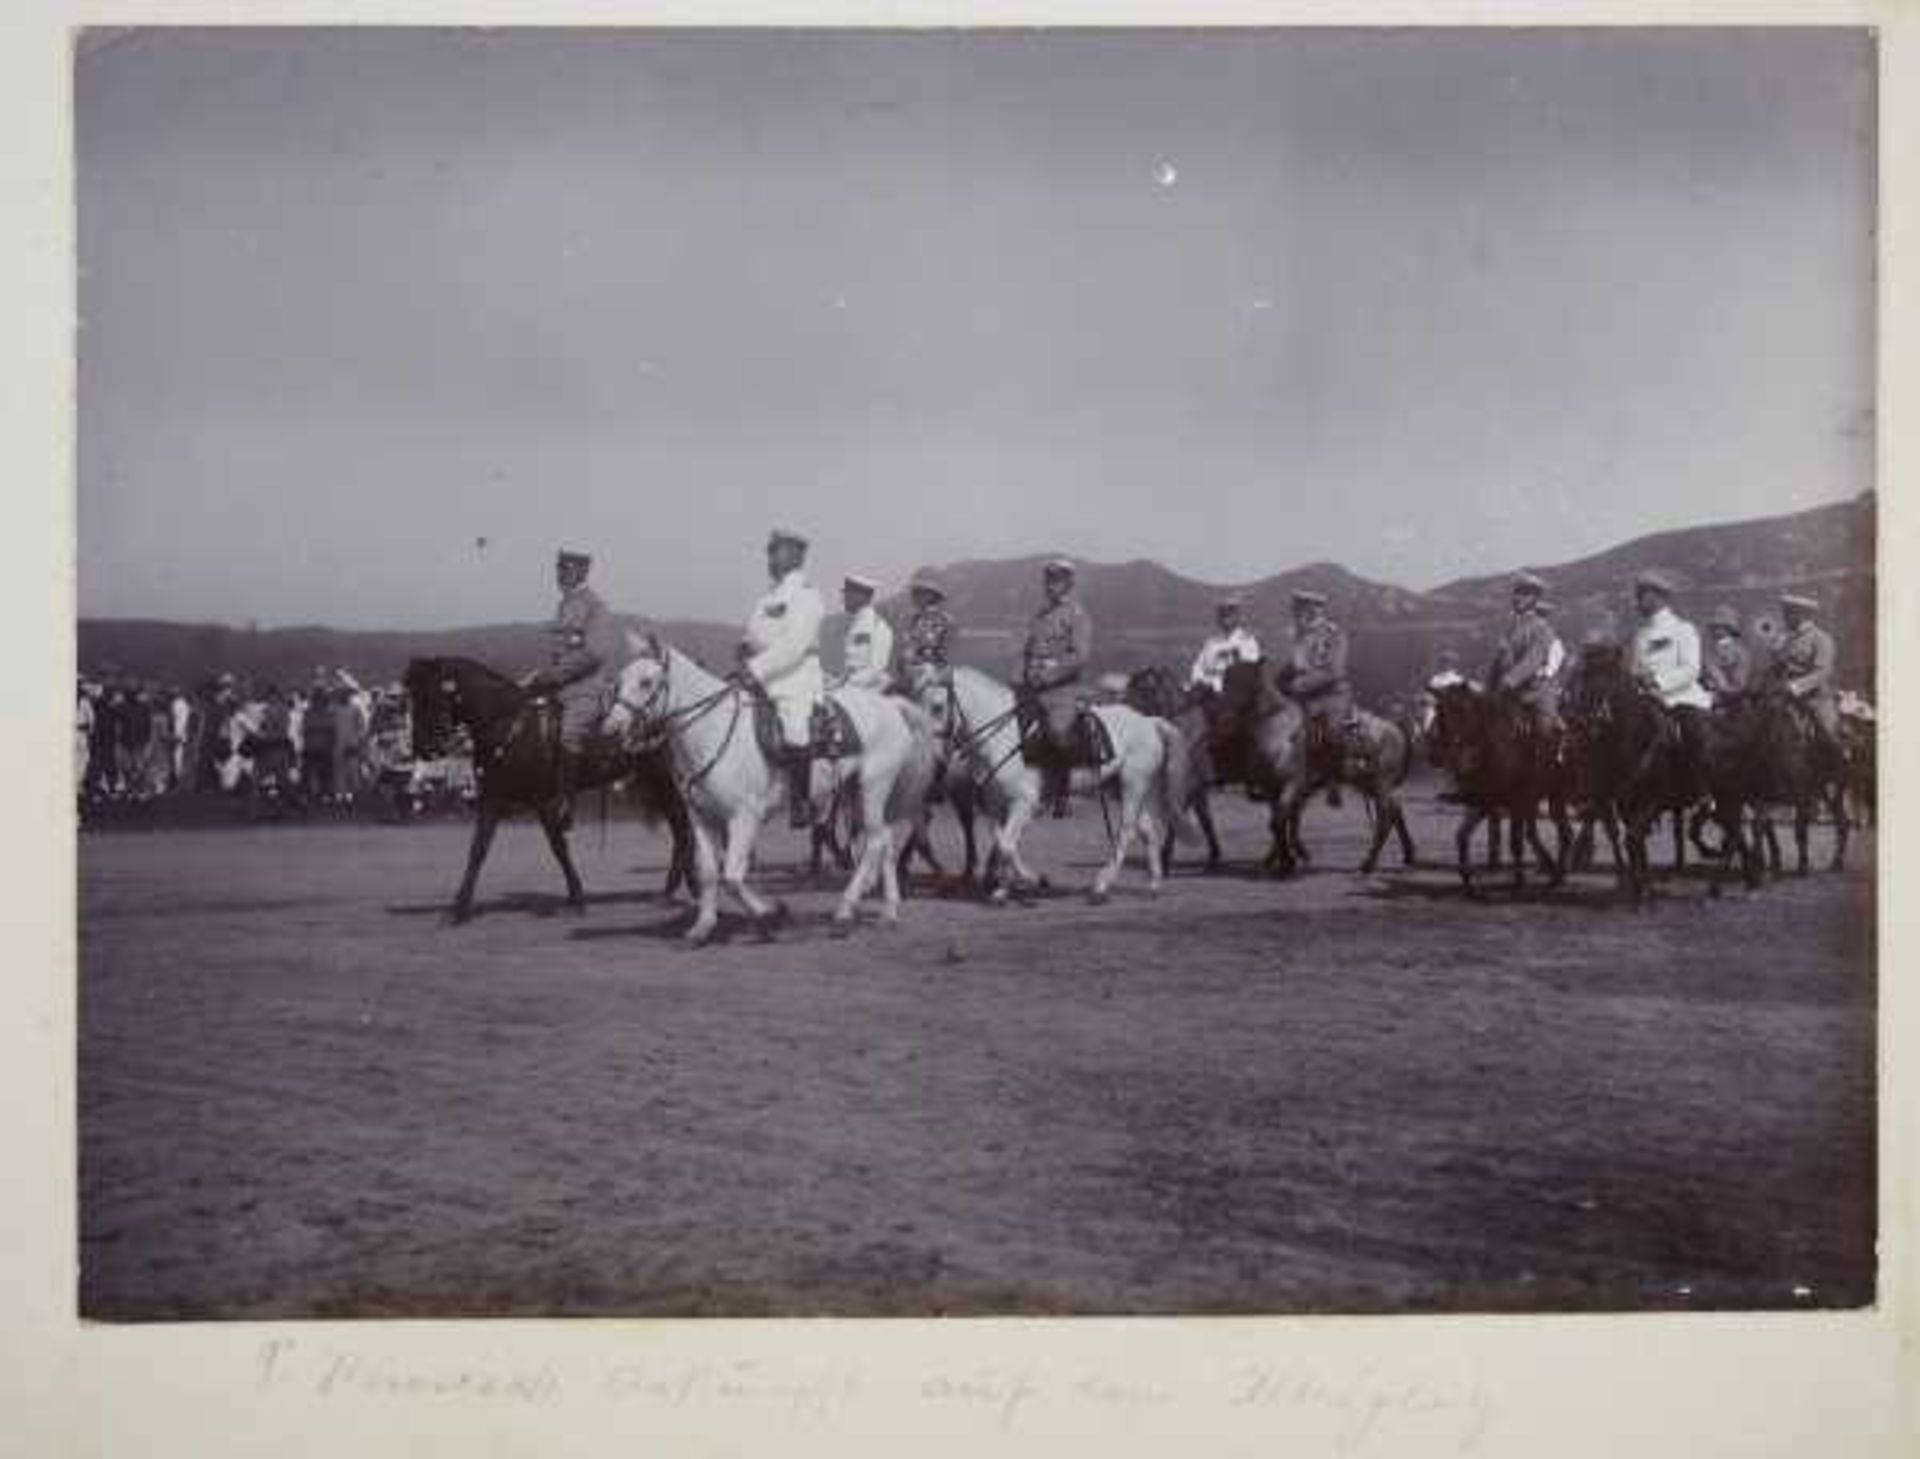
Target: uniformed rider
{"points": [[1665, 656], [1053, 662], [1527, 660], [930, 632], [1232, 644], [1804, 665], [582, 657], [780, 658], [867, 647], [1727, 671], [1315, 673]]}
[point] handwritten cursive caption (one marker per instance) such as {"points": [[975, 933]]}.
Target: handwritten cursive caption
{"points": [[1349, 1411]]}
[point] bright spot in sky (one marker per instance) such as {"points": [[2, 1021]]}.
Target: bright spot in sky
{"points": [[1166, 174]]}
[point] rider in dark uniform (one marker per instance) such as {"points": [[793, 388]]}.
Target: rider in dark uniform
{"points": [[1053, 662], [583, 654]]}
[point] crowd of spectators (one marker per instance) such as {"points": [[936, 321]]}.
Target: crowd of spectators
{"points": [[330, 742]]}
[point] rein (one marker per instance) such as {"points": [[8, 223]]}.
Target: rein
{"points": [[660, 724]]}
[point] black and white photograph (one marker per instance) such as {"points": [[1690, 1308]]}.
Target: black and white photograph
{"points": [[1009, 672]]}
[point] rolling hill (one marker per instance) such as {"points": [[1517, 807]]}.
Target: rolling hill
{"points": [[1146, 613]]}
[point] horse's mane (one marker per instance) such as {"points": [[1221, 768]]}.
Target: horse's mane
{"points": [[434, 664]]}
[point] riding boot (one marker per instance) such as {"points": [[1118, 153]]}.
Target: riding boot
{"points": [[1056, 775], [800, 788]]}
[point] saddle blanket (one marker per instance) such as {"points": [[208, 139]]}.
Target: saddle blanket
{"points": [[834, 734], [1092, 742]]}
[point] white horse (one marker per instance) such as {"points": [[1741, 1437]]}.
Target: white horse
{"points": [[980, 729], [707, 724]]}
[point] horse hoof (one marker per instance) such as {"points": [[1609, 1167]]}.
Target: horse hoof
{"points": [[1097, 899], [456, 917], [697, 936], [841, 928]]}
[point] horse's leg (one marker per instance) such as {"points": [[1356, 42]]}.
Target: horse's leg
{"points": [[889, 880], [1549, 865], [1011, 829], [1150, 840], [1493, 840], [1463, 846], [1407, 856], [1517, 822], [557, 843], [742, 826], [1842, 825], [1132, 798], [1679, 839], [876, 847], [1802, 826], [1202, 813], [1380, 812], [483, 829], [964, 809], [1281, 829], [680, 866], [1730, 844], [706, 882]]}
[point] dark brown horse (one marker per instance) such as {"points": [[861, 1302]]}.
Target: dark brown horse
{"points": [[516, 758], [1768, 753], [1369, 755], [1630, 765], [1499, 762]]}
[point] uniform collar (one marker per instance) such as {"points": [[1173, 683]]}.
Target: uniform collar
{"points": [[795, 579]]}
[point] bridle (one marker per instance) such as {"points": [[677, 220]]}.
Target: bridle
{"points": [[657, 724]]}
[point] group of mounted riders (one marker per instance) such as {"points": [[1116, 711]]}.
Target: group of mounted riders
{"points": [[1721, 731], [1616, 736]]}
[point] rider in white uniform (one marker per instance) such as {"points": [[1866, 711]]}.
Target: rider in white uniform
{"points": [[1233, 644], [781, 655], [867, 647]]}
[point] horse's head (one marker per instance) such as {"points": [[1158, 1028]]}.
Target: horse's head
{"points": [[931, 687], [1453, 740], [433, 698], [639, 695], [1154, 690]]}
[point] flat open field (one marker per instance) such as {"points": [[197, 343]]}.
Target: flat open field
{"points": [[300, 1095]]}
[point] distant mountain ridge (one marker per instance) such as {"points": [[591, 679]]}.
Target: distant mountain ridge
{"points": [[1145, 613]]}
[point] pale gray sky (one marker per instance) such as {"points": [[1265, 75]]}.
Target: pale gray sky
{"points": [[1423, 303]]}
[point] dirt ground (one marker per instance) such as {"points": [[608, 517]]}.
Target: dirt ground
{"points": [[301, 1095]]}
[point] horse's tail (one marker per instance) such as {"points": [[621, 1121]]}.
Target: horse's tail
{"points": [[1174, 782]]}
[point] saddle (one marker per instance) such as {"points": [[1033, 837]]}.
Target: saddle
{"points": [[835, 736], [832, 734], [1092, 745]]}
